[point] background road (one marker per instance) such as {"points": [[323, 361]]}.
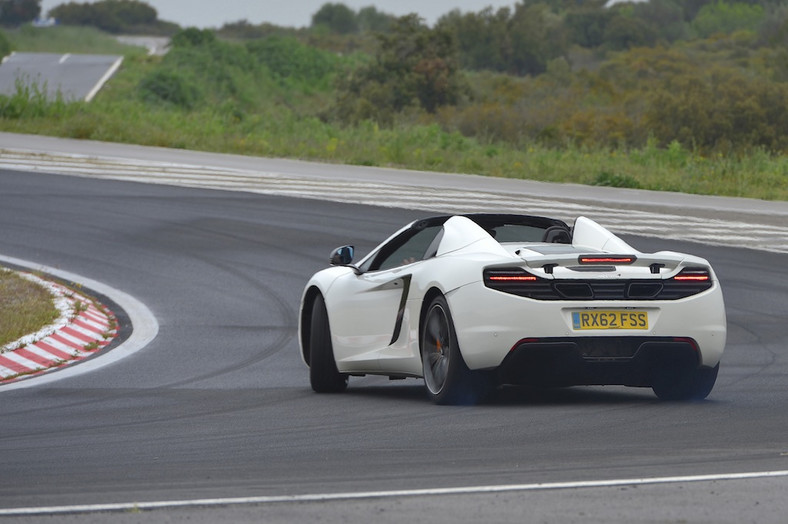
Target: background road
{"points": [[219, 404], [72, 76]]}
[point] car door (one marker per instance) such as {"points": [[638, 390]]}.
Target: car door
{"points": [[363, 321], [367, 308]]}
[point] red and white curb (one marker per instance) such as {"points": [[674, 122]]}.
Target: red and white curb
{"points": [[83, 328]]}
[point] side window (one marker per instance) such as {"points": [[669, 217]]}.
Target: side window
{"points": [[409, 247]]}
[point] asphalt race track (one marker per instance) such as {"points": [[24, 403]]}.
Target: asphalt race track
{"points": [[218, 405]]}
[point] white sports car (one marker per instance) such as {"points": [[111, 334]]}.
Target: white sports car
{"points": [[471, 302]]}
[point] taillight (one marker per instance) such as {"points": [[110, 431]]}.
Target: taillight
{"points": [[693, 274], [690, 281], [511, 278], [498, 277], [518, 281]]}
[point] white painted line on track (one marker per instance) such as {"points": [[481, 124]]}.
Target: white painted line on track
{"points": [[679, 225], [361, 495], [145, 327]]}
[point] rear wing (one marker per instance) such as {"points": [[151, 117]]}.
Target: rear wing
{"points": [[597, 253], [584, 265]]}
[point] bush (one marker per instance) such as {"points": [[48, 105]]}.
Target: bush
{"points": [[625, 32], [169, 87], [289, 58], [193, 37], [722, 110], [239, 78], [222, 70], [606, 178], [722, 17], [5, 45], [30, 101]]}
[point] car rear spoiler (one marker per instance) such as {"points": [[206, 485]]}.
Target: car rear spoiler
{"points": [[599, 250], [661, 263]]}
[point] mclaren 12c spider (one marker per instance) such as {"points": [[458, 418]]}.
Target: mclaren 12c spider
{"points": [[473, 302]]}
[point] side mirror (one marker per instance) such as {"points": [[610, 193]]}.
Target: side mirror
{"points": [[342, 256]]}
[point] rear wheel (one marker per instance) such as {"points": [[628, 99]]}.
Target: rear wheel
{"points": [[323, 374], [695, 384], [447, 377]]}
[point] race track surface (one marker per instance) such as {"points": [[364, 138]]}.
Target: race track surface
{"points": [[219, 405]]}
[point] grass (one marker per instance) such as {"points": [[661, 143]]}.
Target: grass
{"points": [[278, 132], [25, 307]]}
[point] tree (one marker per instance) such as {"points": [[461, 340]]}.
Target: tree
{"points": [[73, 13], [482, 38], [17, 12], [536, 37], [690, 8], [413, 66], [132, 12], [665, 17], [774, 30], [587, 26], [722, 17], [720, 110], [370, 19], [624, 32], [338, 18], [114, 16]]}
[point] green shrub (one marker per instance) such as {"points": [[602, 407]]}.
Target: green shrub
{"points": [[5, 45], [169, 87], [192, 37], [289, 58], [724, 17], [30, 101], [606, 178], [722, 110], [203, 69]]}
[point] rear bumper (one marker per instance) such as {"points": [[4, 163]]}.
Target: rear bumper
{"points": [[491, 324], [628, 361]]}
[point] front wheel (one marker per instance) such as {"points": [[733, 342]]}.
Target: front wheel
{"points": [[447, 377], [691, 385], [323, 374]]}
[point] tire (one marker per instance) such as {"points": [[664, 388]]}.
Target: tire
{"points": [[446, 376], [323, 374], [692, 385]]}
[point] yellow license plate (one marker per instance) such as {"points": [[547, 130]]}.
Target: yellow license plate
{"points": [[599, 319]]}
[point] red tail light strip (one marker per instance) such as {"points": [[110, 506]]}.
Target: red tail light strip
{"points": [[693, 275], [696, 278], [512, 278], [607, 260]]}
